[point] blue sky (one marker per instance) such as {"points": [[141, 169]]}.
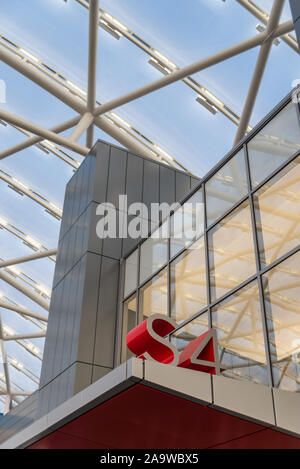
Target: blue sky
{"points": [[183, 30]]}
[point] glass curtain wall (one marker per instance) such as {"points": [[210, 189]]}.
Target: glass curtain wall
{"points": [[236, 265]]}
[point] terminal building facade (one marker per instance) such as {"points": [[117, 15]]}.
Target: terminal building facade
{"points": [[239, 276]]}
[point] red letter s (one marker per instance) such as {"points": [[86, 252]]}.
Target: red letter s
{"points": [[147, 340]]}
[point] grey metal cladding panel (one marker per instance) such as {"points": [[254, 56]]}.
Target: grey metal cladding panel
{"points": [[68, 332], [61, 383], [71, 248], [77, 252], [107, 313], [130, 243], [150, 183], [91, 164], [64, 395], [99, 372], [116, 175], [84, 185], [70, 382], [194, 181], [94, 243], [83, 376], [78, 240], [67, 209], [64, 260], [182, 184], [295, 9], [64, 342], [80, 267], [73, 204], [54, 388], [85, 350], [63, 225], [85, 226], [58, 265], [112, 247], [100, 176], [62, 387], [167, 185], [57, 320], [79, 192], [79, 378], [62, 325], [50, 336], [41, 404], [134, 178]]}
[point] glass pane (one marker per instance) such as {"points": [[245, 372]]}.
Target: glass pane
{"points": [[188, 282], [282, 301], [238, 323], [231, 251], [129, 322], [226, 187], [154, 252], [154, 296], [187, 223], [277, 214], [276, 142], [182, 337], [131, 267]]}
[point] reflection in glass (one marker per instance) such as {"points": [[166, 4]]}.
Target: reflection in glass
{"points": [[282, 303], [187, 223], [154, 252], [131, 267], [277, 214], [182, 337], [129, 322], [188, 282], [231, 251], [276, 142], [238, 323], [226, 187], [154, 296]]}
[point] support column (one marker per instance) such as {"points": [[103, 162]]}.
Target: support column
{"points": [[81, 337]]}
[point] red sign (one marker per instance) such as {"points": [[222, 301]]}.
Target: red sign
{"points": [[148, 341]]}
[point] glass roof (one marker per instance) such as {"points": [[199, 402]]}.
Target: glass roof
{"points": [[53, 36]]}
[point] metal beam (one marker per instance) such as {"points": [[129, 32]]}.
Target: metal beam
{"points": [[33, 335], [32, 257], [26, 291], [70, 100], [196, 67], [264, 17], [23, 311], [259, 69], [46, 134], [26, 238], [50, 207], [36, 139], [92, 65], [84, 124]]}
